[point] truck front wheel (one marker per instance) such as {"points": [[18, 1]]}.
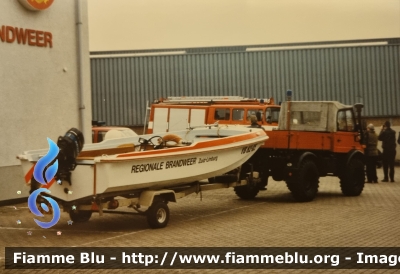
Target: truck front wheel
{"points": [[352, 182], [304, 187]]}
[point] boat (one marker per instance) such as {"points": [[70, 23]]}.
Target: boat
{"points": [[138, 165]]}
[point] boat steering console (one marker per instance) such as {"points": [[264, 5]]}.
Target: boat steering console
{"points": [[156, 141]]}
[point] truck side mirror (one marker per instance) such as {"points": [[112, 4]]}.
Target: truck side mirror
{"points": [[358, 107]]}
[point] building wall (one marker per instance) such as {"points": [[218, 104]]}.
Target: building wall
{"points": [[39, 83], [121, 86]]}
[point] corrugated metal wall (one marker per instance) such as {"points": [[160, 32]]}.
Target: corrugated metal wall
{"points": [[368, 74]]}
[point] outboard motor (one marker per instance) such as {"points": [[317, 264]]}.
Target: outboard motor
{"points": [[70, 146]]}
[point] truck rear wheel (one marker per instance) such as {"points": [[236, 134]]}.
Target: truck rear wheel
{"points": [[304, 187], [158, 215], [352, 183]]}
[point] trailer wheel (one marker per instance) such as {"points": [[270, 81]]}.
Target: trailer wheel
{"points": [[304, 187], [246, 192], [80, 216], [352, 183], [158, 215]]}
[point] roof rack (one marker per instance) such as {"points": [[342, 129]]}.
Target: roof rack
{"points": [[210, 100]]}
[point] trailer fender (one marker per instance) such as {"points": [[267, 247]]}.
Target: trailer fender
{"points": [[147, 197]]}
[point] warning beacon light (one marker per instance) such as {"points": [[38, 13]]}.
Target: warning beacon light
{"points": [[289, 95]]}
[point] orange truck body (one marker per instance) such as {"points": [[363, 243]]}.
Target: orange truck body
{"points": [[338, 142], [176, 113]]}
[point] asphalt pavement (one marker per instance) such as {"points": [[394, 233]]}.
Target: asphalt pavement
{"points": [[219, 218]]}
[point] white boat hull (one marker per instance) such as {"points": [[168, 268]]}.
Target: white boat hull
{"points": [[207, 156]]}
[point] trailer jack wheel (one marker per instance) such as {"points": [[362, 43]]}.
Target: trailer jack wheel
{"points": [[80, 216], [158, 215], [246, 192]]}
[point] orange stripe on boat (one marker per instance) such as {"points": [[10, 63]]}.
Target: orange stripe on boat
{"points": [[29, 174]]}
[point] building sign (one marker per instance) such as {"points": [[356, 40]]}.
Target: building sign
{"points": [[30, 37], [36, 4]]}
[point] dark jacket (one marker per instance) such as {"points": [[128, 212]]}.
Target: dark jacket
{"points": [[398, 140], [388, 138], [256, 125], [371, 142]]}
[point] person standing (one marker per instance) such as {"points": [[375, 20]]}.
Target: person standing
{"points": [[388, 138], [398, 140], [371, 153]]}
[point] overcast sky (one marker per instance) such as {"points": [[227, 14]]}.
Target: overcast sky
{"points": [[159, 24]]}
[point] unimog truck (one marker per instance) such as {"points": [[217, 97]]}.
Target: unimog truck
{"points": [[313, 139], [307, 140]]}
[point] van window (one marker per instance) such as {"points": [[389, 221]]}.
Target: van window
{"points": [[222, 114], [309, 118], [237, 114], [257, 112]]}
